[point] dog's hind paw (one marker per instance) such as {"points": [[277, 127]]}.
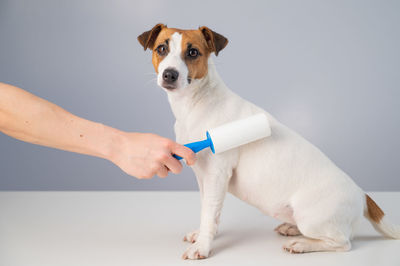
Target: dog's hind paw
{"points": [[191, 237], [295, 246], [287, 229], [196, 251]]}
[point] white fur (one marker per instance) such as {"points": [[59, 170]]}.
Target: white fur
{"points": [[385, 227], [174, 60], [283, 175]]}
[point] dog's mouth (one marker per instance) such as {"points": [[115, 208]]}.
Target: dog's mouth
{"points": [[169, 87]]}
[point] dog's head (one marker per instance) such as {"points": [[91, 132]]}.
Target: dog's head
{"points": [[180, 57]]}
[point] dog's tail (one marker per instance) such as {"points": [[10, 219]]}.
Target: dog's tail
{"points": [[379, 221]]}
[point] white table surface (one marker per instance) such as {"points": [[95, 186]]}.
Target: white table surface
{"points": [[146, 228]]}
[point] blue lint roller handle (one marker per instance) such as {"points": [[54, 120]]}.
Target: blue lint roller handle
{"points": [[198, 146]]}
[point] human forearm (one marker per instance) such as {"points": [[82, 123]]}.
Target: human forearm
{"points": [[29, 118]]}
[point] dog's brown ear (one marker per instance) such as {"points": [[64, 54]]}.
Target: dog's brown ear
{"points": [[215, 41], [148, 38]]}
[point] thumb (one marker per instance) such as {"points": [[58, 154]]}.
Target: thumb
{"points": [[185, 153]]}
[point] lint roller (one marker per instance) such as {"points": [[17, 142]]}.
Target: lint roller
{"points": [[233, 134]]}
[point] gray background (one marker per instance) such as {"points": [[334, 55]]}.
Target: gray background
{"points": [[328, 69]]}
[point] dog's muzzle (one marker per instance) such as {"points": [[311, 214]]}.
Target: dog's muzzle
{"points": [[170, 76]]}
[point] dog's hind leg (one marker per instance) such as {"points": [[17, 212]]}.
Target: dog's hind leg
{"points": [[304, 244], [321, 234]]}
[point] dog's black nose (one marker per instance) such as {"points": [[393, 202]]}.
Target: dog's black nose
{"points": [[170, 75]]}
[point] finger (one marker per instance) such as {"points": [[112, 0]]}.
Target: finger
{"points": [[184, 152], [162, 172], [173, 165]]}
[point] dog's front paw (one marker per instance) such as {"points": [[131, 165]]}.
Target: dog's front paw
{"points": [[192, 236], [196, 251]]}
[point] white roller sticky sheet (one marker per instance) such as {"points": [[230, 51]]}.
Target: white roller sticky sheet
{"points": [[240, 132]]}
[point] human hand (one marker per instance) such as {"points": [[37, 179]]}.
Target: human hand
{"points": [[144, 155]]}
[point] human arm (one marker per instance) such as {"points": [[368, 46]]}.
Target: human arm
{"points": [[29, 118]]}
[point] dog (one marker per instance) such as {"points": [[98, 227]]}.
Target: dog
{"points": [[283, 175]]}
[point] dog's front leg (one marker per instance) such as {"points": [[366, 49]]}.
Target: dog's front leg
{"points": [[215, 183]]}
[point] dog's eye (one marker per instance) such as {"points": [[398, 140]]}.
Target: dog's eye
{"points": [[162, 49], [193, 52]]}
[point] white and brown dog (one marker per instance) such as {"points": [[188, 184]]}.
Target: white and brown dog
{"points": [[283, 175]]}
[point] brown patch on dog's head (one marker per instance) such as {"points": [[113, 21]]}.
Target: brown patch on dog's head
{"points": [[196, 47], [215, 41], [205, 41], [147, 38], [195, 53]]}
